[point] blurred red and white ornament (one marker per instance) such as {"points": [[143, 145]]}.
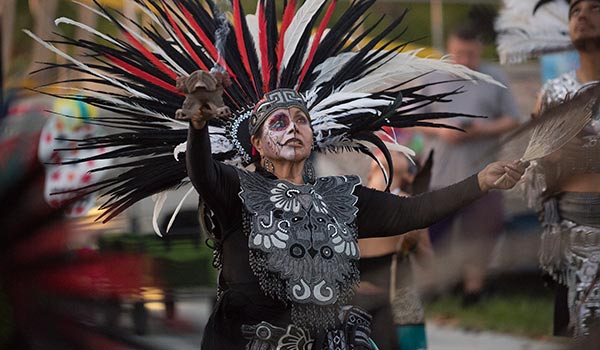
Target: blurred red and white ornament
{"points": [[56, 145]]}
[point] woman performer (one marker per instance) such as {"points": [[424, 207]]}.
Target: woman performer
{"points": [[287, 242]]}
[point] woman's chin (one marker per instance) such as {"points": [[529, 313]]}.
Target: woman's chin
{"points": [[295, 156]]}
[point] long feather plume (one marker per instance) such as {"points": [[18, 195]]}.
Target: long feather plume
{"points": [[263, 44], [245, 45], [316, 41], [178, 208], [408, 65], [288, 16], [159, 202], [299, 25]]}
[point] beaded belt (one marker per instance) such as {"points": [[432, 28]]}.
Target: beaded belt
{"points": [[353, 333]]}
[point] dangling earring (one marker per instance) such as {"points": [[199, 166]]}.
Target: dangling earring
{"points": [[268, 165], [309, 172]]}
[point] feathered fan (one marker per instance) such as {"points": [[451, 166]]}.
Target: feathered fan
{"points": [[354, 84], [557, 124]]}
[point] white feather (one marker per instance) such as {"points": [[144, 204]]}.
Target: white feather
{"points": [[153, 47], [331, 66], [297, 27], [522, 35], [252, 22], [85, 67], [393, 145], [311, 40], [336, 98], [179, 208], [326, 125], [358, 103], [311, 95], [129, 105], [87, 28], [97, 12], [347, 110], [159, 201], [407, 65], [173, 123], [179, 149], [386, 176]]}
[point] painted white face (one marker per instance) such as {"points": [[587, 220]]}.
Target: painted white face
{"points": [[286, 136]]}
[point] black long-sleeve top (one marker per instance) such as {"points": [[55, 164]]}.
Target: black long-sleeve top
{"points": [[379, 213]]}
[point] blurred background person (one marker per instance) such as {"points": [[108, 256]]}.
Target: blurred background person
{"points": [[569, 198], [471, 232], [564, 186], [387, 289]]}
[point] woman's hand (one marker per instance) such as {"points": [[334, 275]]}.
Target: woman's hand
{"points": [[510, 172]]}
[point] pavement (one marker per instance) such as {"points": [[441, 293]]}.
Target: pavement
{"points": [[185, 332], [452, 338]]}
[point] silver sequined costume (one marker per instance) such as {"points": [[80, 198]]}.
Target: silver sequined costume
{"points": [[570, 250]]}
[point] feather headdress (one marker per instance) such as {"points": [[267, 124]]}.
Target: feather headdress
{"points": [[528, 28], [354, 82]]}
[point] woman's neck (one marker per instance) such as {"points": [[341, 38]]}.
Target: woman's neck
{"points": [[288, 170], [589, 69]]}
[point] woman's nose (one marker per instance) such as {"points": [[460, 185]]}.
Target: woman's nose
{"points": [[293, 128]]}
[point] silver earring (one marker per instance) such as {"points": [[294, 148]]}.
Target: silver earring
{"points": [[268, 165], [309, 172]]}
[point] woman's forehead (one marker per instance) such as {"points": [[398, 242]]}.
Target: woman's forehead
{"points": [[287, 111]]}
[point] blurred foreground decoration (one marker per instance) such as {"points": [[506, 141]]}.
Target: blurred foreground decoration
{"points": [[64, 174], [63, 292], [58, 288]]}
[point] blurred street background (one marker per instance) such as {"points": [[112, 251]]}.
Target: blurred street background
{"points": [[70, 282]]}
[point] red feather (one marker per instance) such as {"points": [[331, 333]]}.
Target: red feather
{"points": [[183, 39], [206, 43], [239, 35], [160, 65], [262, 40], [288, 16], [317, 40], [142, 74]]}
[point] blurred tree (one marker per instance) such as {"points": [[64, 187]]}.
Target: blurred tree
{"points": [[7, 15], [43, 13]]}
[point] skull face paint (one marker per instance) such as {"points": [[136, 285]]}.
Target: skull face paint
{"points": [[286, 135]]}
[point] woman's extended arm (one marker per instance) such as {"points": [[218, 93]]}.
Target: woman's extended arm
{"points": [[384, 214], [217, 183]]}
